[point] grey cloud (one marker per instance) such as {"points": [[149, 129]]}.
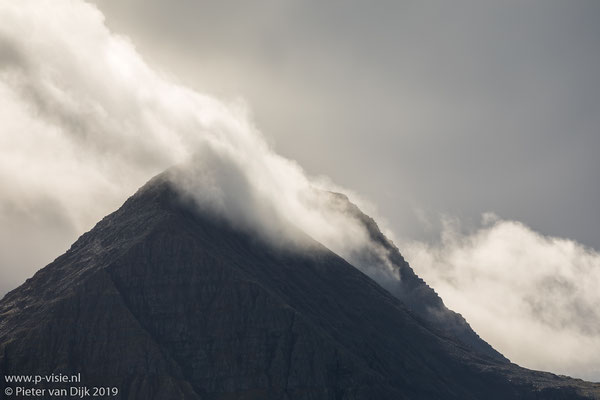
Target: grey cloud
{"points": [[34, 231], [455, 107], [9, 54]]}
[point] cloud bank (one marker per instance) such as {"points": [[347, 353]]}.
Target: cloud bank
{"points": [[535, 298], [86, 121]]}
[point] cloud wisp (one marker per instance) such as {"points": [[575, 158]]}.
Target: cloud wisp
{"points": [[534, 298]]}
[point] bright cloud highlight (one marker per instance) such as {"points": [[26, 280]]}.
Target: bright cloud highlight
{"points": [[535, 298]]}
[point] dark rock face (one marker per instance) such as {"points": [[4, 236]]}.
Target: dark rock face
{"points": [[418, 297], [166, 303]]}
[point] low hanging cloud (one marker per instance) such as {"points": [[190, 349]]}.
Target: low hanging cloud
{"points": [[85, 121], [535, 298]]}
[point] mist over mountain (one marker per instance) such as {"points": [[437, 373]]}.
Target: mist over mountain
{"points": [[533, 296], [163, 299], [86, 121]]}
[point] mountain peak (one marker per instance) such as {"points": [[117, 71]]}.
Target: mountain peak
{"points": [[164, 301]]}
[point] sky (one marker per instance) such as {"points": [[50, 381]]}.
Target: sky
{"points": [[426, 108], [468, 129]]}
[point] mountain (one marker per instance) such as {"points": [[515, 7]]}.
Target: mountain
{"points": [[163, 301], [414, 293]]}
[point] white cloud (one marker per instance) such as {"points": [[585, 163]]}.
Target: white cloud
{"points": [[86, 121], [535, 298]]}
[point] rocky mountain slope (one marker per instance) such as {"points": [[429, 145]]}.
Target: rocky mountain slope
{"points": [[165, 302], [414, 293]]}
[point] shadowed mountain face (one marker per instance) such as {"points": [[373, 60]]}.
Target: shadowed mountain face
{"points": [[416, 295], [165, 302]]}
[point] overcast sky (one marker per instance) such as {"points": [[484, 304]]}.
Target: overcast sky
{"points": [[469, 129], [424, 108]]}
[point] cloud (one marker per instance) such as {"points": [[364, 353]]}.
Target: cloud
{"points": [[86, 121], [534, 298], [402, 100]]}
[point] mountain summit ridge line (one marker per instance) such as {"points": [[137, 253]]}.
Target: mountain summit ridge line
{"points": [[163, 300]]}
